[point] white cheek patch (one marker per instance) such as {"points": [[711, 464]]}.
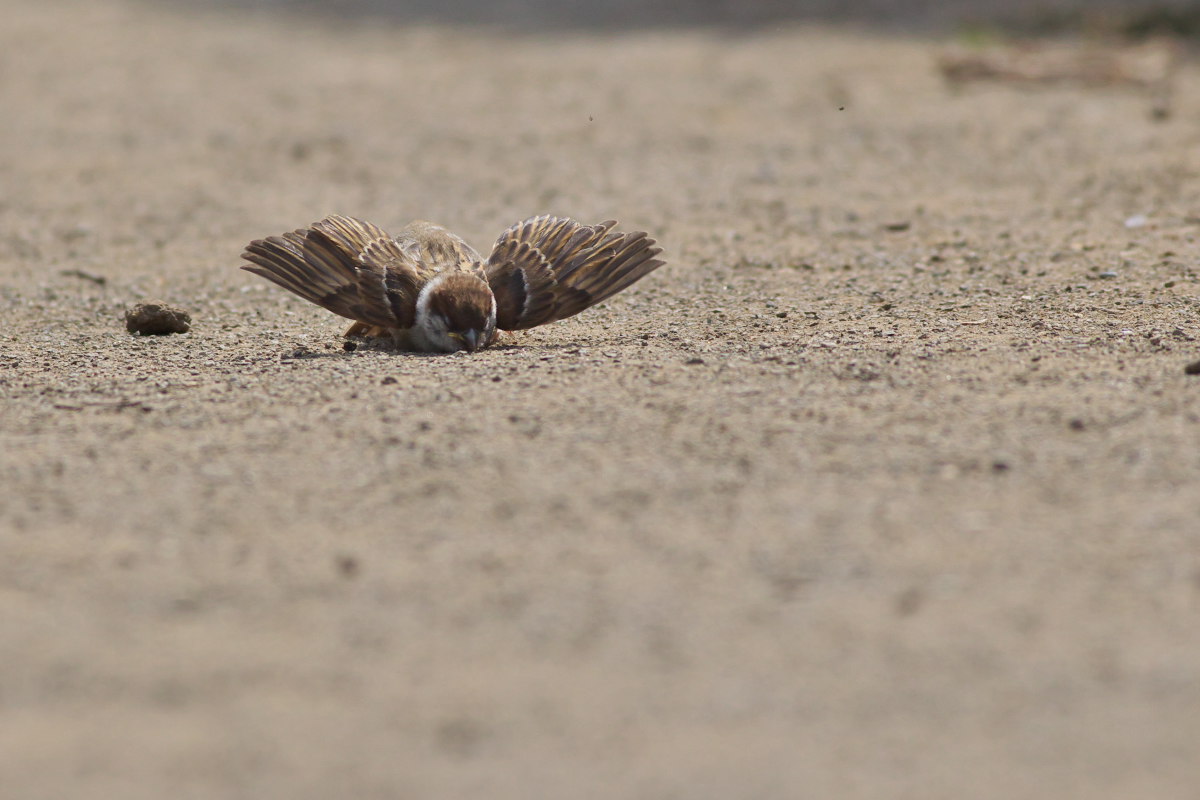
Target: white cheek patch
{"points": [[427, 292], [431, 328]]}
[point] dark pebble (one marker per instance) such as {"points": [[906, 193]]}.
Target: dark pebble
{"points": [[349, 347], [1192, 368], [388, 381], [157, 319], [347, 566], [1076, 424]]}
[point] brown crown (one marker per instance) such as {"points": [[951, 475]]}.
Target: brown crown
{"points": [[464, 300]]}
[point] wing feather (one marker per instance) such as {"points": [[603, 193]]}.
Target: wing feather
{"points": [[549, 268], [351, 267]]}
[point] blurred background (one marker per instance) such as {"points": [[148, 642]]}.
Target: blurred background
{"points": [[1038, 16]]}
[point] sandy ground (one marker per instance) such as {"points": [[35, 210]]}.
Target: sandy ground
{"points": [[878, 490]]}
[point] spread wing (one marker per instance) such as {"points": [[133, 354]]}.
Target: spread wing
{"points": [[549, 268], [350, 267]]}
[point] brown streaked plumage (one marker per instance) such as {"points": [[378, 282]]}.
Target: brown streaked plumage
{"points": [[432, 291]]}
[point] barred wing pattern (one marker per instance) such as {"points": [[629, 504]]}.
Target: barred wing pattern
{"points": [[550, 268], [348, 266]]}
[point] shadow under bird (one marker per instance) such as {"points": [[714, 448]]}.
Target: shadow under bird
{"points": [[433, 292]]}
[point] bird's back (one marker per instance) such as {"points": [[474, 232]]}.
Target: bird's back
{"points": [[435, 247]]}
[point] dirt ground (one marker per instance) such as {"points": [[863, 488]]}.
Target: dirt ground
{"points": [[886, 486]]}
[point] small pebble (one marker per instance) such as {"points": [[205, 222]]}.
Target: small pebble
{"points": [[1192, 368], [388, 381], [1107, 274], [1076, 424], [157, 319], [347, 565], [349, 347]]}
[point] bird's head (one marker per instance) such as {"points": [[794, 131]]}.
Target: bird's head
{"points": [[456, 311]]}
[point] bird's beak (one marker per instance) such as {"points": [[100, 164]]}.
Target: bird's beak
{"points": [[471, 340]]}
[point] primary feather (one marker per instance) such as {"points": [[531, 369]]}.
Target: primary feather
{"points": [[549, 268]]}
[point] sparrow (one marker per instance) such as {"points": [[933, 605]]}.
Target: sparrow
{"points": [[433, 292]]}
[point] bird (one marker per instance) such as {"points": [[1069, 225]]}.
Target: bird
{"points": [[432, 292]]}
